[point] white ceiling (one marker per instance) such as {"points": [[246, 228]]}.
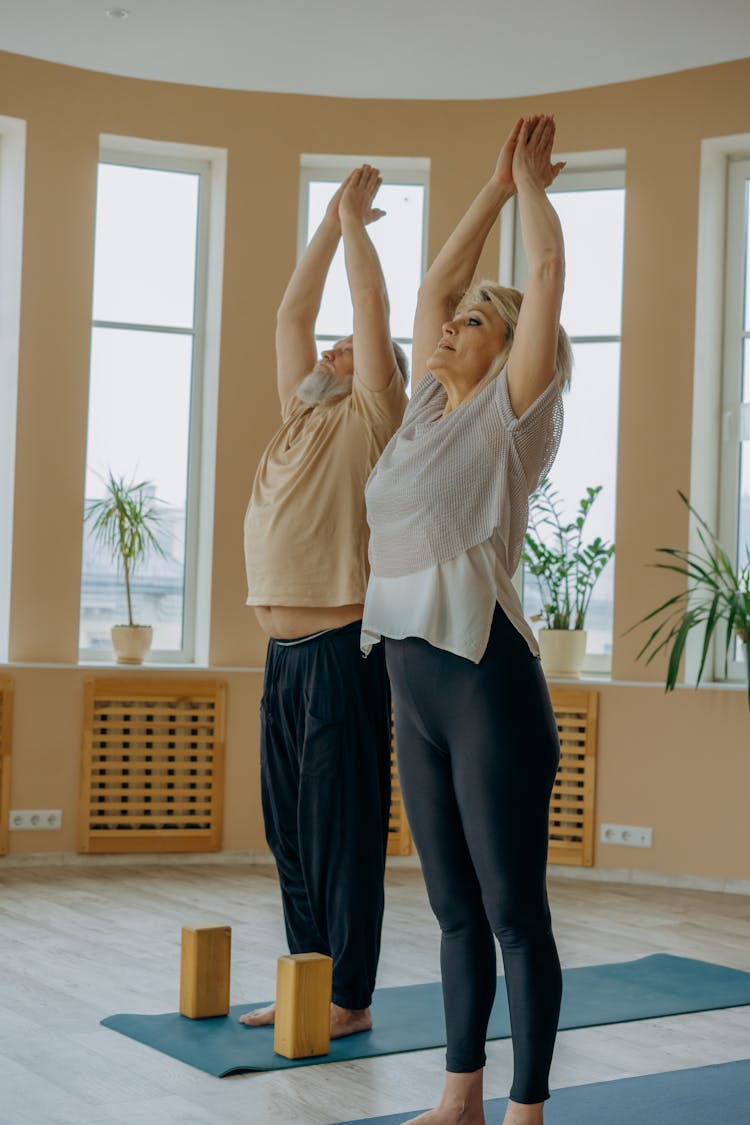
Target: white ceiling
{"points": [[390, 48]]}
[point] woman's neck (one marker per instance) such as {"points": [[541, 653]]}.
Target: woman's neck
{"points": [[457, 391]]}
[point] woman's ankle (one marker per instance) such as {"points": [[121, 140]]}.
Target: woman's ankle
{"points": [[519, 1114]]}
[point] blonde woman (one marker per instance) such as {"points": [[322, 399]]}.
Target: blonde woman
{"points": [[477, 741]]}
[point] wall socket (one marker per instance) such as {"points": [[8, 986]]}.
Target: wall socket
{"points": [[35, 820], [627, 834]]}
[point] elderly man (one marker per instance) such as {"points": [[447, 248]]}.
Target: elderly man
{"points": [[325, 712]]}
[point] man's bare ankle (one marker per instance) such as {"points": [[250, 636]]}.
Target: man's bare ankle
{"points": [[349, 1021]]}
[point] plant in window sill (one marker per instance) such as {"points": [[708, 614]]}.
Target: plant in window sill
{"points": [[567, 571], [716, 597], [126, 522]]}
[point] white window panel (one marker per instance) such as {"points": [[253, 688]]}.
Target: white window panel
{"points": [[146, 386], [146, 240], [593, 222]]}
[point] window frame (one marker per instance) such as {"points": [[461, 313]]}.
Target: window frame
{"points": [[592, 171], [332, 168], [12, 178], [734, 336], [210, 167], [714, 476]]}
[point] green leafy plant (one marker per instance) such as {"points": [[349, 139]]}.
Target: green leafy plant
{"points": [[565, 568], [716, 596], [126, 522]]}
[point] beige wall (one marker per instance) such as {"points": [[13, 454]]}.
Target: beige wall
{"points": [[654, 764]]}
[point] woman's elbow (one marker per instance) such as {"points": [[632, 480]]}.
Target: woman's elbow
{"points": [[550, 268]]}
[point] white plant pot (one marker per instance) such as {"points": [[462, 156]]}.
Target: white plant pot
{"points": [[562, 652], [131, 642]]}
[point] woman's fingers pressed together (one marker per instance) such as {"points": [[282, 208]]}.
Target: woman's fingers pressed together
{"points": [[532, 157]]}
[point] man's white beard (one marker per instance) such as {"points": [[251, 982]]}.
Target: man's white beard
{"points": [[319, 386]]}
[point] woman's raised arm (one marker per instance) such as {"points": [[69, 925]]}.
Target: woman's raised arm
{"points": [[453, 269], [531, 364]]}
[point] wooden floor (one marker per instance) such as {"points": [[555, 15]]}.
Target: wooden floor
{"points": [[78, 943]]}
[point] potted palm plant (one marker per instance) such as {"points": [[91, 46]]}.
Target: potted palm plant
{"points": [[566, 570], [126, 522], [716, 596]]}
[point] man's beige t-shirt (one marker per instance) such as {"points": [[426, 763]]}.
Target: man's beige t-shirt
{"points": [[305, 527]]}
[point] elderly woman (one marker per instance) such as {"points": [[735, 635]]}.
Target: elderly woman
{"points": [[477, 742]]}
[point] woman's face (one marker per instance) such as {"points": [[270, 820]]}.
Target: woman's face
{"points": [[470, 342]]}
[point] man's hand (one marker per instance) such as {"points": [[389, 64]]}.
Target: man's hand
{"points": [[503, 174], [331, 216], [357, 194]]}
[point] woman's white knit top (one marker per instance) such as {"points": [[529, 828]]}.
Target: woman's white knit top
{"points": [[447, 505]]}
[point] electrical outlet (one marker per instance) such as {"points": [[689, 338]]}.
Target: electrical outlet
{"points": [[628, 834], [35, 820]]}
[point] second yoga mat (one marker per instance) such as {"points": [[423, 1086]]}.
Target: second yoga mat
{"points": [[411, 1018], [701, 1096]]}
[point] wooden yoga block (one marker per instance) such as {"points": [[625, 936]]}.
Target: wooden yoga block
{"points": [[204, 971], [303, 1005]]}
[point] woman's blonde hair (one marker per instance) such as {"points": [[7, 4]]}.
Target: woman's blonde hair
{"points": [[507, 302]]}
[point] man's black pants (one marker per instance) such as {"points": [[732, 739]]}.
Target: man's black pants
{"points": [[325, 785]]}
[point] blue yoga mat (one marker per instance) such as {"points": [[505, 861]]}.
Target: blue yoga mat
{"points": [[704, 1096], [411, 1018]]}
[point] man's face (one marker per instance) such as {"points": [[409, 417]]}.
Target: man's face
{"points": [[331, 377], [337, 360]]}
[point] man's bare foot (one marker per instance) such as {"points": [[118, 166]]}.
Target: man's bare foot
{"points": [[344, 1021], [259, 1017]]}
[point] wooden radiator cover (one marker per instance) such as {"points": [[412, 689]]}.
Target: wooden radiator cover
{"points": [[571, 811], [152, 777], [6, 730], [571, 817]]}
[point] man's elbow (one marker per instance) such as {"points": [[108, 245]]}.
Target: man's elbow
{"points": [[289, 314]]}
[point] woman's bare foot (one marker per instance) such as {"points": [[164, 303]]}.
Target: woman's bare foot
{"points": [[461, 1103], [344, 1021], [517, 1114]]}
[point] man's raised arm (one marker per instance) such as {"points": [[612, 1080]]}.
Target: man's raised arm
{"points": [[374, 358], [295, 320]]}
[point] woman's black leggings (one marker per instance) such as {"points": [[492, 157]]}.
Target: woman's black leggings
{"points": [[477, 753]]}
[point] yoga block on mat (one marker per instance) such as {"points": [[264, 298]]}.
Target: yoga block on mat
{"points": [[204, 971], [303, 1005]]}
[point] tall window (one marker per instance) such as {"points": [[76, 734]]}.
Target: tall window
{"points": [[12, 164], [399, 239], [591, 206], [734, 491], [145, 385]]}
